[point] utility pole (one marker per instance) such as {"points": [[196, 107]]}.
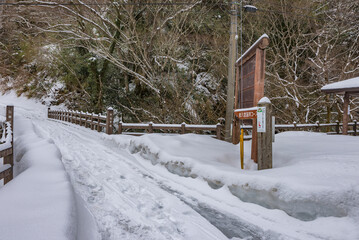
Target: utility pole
{"points": [[231, 70]]}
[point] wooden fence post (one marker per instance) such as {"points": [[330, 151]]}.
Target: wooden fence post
{"points": [[337, 127], [98, 123], [295, 125], [355, 127], [109, 121], [264, 134], [86, 119], [318, 126], [48, 112], [10, 158], [150, 127], [91, 124], [218, 131], [273, 128], [120, 127], [183, 128], [81, 115]]}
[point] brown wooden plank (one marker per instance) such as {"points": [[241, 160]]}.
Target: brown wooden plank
{"points": [[6, 152], [135, 127], [5, 173], [167, 128]]}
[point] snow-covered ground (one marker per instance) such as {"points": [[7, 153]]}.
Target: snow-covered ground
{"points": [[174, 187]]}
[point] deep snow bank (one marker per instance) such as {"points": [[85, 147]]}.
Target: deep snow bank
{"points": [[314, 175], [39, 202]]}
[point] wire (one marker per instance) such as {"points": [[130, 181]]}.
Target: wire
{"points": [[112, 3]]}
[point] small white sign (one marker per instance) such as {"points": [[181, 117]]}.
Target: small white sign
{"points": [[261, 119]]}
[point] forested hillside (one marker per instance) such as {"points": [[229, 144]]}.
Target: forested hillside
{"points": [[167, 61]]}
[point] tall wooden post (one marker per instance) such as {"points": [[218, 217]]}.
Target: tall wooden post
{"points": [[264, 134], [346, 113], [231, 72], [10, 158], [109, 121]]}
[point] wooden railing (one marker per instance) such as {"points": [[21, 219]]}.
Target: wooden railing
{"points": [[90, 120], [330, 128], [6, 146], [105, 123], [181, 128]]}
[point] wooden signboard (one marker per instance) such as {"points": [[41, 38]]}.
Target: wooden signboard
{"points": [[250, 72], [245, 113]]}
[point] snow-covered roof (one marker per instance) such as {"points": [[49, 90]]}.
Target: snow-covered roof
{"points": [[259, 41], [350, 85]]}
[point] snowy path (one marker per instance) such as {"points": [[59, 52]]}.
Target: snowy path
{"points": [[132, 199], [124, 201], [134, 195]]}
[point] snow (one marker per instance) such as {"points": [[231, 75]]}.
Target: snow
{"points": [[346, 84], [251, 48], [264, 100], [245, 109], [122, 201], [176, 186], [249, 6], [4, 167], [37, 204], [6, 139]]}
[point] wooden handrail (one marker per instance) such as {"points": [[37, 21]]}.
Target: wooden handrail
{"points": [[182, 128], [6, 170], [100, 122], [316, 126], [105, 122], [89, 120]]}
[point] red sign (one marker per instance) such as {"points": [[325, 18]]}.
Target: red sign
{"points": [[248, 114]]}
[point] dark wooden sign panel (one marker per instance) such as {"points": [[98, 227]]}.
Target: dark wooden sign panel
{"points": [[247, 96]]}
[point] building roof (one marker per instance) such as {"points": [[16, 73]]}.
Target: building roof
{"points": [[350, 86]]}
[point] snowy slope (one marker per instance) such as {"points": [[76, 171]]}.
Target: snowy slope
{"points": [[124, 203], [192, 187], [38, 203]]}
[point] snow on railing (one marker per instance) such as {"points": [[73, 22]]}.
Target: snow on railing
{"points": [[94, 121], [317, 127], [181, 128], [6, 147], [105, 123]]}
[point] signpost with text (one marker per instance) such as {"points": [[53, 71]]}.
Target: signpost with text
{"points": [[263, 116], [264, 134], [250, 72]]}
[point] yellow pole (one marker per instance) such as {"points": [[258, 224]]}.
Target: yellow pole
{"points": [[242, 148]]}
